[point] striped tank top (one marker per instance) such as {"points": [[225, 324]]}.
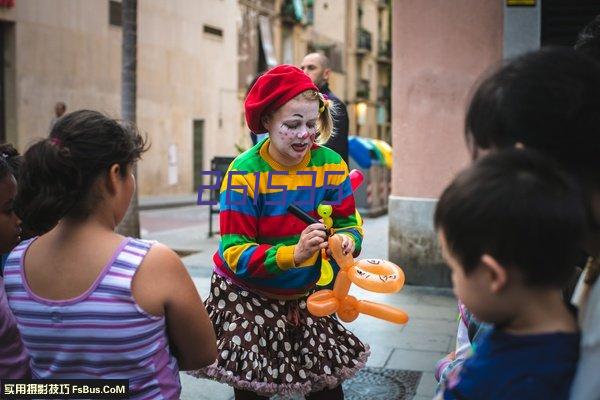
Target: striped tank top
{"points": [[101, 334]]}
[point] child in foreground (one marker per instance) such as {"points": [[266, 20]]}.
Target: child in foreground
{"points": [[89, 302], [510, 228]]}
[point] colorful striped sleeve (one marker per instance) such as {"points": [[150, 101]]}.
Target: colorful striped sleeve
{"points": [[344, 212], [239, 229]]}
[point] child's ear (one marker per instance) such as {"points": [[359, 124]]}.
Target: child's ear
{"points": [[112, 178], [498, 276]]}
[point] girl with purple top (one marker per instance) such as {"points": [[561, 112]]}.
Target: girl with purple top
{"points": [[14, 361], [91, 303]]}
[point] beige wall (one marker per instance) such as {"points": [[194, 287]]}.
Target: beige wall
{"points": [[440, 48], [186, 74], [329, 19], [67, 51]]}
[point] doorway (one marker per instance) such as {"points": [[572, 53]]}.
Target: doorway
{"points": [[7, 83], [198, 130]]}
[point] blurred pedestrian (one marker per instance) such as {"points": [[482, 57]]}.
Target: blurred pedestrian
{"points": [[60, 108]]}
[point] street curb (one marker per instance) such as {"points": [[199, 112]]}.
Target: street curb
{"points": [[160, 202]]}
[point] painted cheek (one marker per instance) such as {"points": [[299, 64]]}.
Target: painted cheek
{"points": [[286, 133]]}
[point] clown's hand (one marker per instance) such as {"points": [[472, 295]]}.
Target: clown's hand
{"points": [[312, 240]]}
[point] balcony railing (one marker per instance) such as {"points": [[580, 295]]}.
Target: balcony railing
{"points": [[363, 89], [292, 11], [383, 94], [384, 49], [364, 40]]}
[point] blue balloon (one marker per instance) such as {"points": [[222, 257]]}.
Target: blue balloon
{"points": [[360, 151]]}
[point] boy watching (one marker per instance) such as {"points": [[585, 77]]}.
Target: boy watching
{"points": [[510, 228]]}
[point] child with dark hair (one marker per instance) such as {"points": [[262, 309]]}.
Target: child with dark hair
{"points": [[588, 40], [587, 294], [510, 228], [89, 302], [547, 100], [14, 361]]}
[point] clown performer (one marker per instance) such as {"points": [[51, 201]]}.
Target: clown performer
{"points": [[269, 261]]}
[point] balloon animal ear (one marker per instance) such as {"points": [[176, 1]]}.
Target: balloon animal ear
{"points": [[344, 261]]}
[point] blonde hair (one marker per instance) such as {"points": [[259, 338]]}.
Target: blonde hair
{"points": [[324, 122]]}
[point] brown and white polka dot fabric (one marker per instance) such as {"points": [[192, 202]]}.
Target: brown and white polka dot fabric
{"points": [[275, 346]]}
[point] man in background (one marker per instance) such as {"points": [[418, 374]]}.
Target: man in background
{"points": [[316, 66], [60, 109]]}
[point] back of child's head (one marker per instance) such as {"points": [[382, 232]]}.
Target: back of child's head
{"points": [[10, 160], [59, 173], [518, 207], [588, 40], [547, 100]]}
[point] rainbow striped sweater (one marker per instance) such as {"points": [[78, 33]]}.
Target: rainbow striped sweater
{"points": [[258, 234]]}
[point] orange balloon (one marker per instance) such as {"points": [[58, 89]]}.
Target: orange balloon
{"points": [[382, 311], [341, 285], [322, 303], [375, 275], [348, 310], [380, 276]]}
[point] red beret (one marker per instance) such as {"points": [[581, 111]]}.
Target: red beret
{"points": [[272, 90]]}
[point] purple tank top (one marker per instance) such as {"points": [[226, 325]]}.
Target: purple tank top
{"points": [[102, 333]]}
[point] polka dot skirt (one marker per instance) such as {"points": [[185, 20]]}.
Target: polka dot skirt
{"points": [[275, 346]]}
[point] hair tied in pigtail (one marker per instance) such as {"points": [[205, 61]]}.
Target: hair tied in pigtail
{"points": [[56, 141], [324, 103]]}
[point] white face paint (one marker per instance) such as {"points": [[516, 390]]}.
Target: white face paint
{"points": [[292, 130]]}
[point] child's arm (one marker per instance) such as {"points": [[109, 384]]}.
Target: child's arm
{"points": [[162, 286], [458, 356], [468, 333]]}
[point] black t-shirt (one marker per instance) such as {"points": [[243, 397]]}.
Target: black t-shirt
{"points": [[339, 141]]}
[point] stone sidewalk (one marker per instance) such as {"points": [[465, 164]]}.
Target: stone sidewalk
{"points": [[428, 336]]}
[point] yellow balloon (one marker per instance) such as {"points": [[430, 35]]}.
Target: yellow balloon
{"points": [[359, 220], [386, 151], [326, 273]]}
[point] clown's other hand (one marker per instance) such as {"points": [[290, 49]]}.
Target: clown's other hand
{"points": [[348, 244]]}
